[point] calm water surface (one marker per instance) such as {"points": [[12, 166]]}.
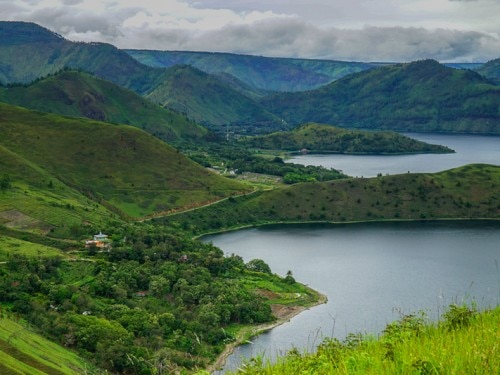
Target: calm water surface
{"points": [[469, 149], [370, 273]]}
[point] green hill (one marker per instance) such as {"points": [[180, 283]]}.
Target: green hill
{"points": [[78, 94], [326, 138], [422, 96], [121, 167], [466, 192], [265, 73], [491, 70], [208, 101]]}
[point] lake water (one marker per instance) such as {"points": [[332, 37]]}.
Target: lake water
{"points": [[371, 273], [469, 149]]}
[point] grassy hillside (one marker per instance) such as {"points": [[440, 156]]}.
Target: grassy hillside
{"points": [[325, 138], [463, 342], [422, 96], [119, 166], [78, 94], [466, 192], [22, 351], [264, 73], [207, 100]]}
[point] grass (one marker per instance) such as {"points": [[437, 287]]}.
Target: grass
{"points": [[11, 246], [409, 346], [24, 352]]}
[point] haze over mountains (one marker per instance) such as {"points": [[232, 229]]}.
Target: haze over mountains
{"points": [[418, 96]]}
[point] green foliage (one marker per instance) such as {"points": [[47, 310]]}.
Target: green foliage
{"points": [[155, 289]]}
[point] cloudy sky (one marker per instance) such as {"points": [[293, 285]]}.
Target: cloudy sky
{"points": [[362, 30]]}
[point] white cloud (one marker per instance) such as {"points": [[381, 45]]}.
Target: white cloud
{"points": [[396, 30]]}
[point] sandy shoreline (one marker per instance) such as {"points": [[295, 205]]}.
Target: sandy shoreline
{"points": [[283, 314]]}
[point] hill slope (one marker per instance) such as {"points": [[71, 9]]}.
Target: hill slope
{"points": [[466, 192], [423, 96], [326, 138], [265, 73], [120, 166], [80, 95], [209, 101]]}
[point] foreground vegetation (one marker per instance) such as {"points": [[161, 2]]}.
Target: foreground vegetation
{"points": [[463, 342]]}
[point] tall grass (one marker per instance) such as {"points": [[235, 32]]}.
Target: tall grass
{"points": [[464, 342]]}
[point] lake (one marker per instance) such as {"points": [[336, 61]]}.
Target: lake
{"points": [[469, 149], [374, 272], [371, 274]]}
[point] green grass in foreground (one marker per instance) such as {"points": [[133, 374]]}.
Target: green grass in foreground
{"points": [[464, 342], [24, 352]]}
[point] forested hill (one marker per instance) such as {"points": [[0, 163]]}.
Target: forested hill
{"points": [[265, 73], [422, 96], [491, 70], [78, 94], [325, 138]]}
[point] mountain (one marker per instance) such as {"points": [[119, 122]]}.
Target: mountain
{"points": [[422, 96], [120, 167], [325, 138], [207, 100], [79, 94], [29, 51], [491, 70], [264, 73]]}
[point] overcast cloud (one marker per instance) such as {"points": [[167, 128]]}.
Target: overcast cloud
{"points": [[362, 30]]}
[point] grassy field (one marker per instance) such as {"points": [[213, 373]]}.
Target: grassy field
{"points": [[24, 352], [464, 342]]}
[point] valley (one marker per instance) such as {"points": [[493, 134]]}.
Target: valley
{"points": [[152, 150]]}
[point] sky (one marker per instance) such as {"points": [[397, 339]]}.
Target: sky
{"points": [[350, 30]]}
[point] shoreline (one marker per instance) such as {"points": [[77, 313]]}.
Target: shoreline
{"points": [[284, 317]]}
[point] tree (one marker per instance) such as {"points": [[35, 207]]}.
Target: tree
{"points": [[258, 265]]}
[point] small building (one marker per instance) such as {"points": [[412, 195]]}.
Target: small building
{"points": [[100, 237], [100, 240]]}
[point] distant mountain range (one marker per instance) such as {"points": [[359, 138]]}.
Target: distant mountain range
{"points": [[263, 73], [221, 90]]}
